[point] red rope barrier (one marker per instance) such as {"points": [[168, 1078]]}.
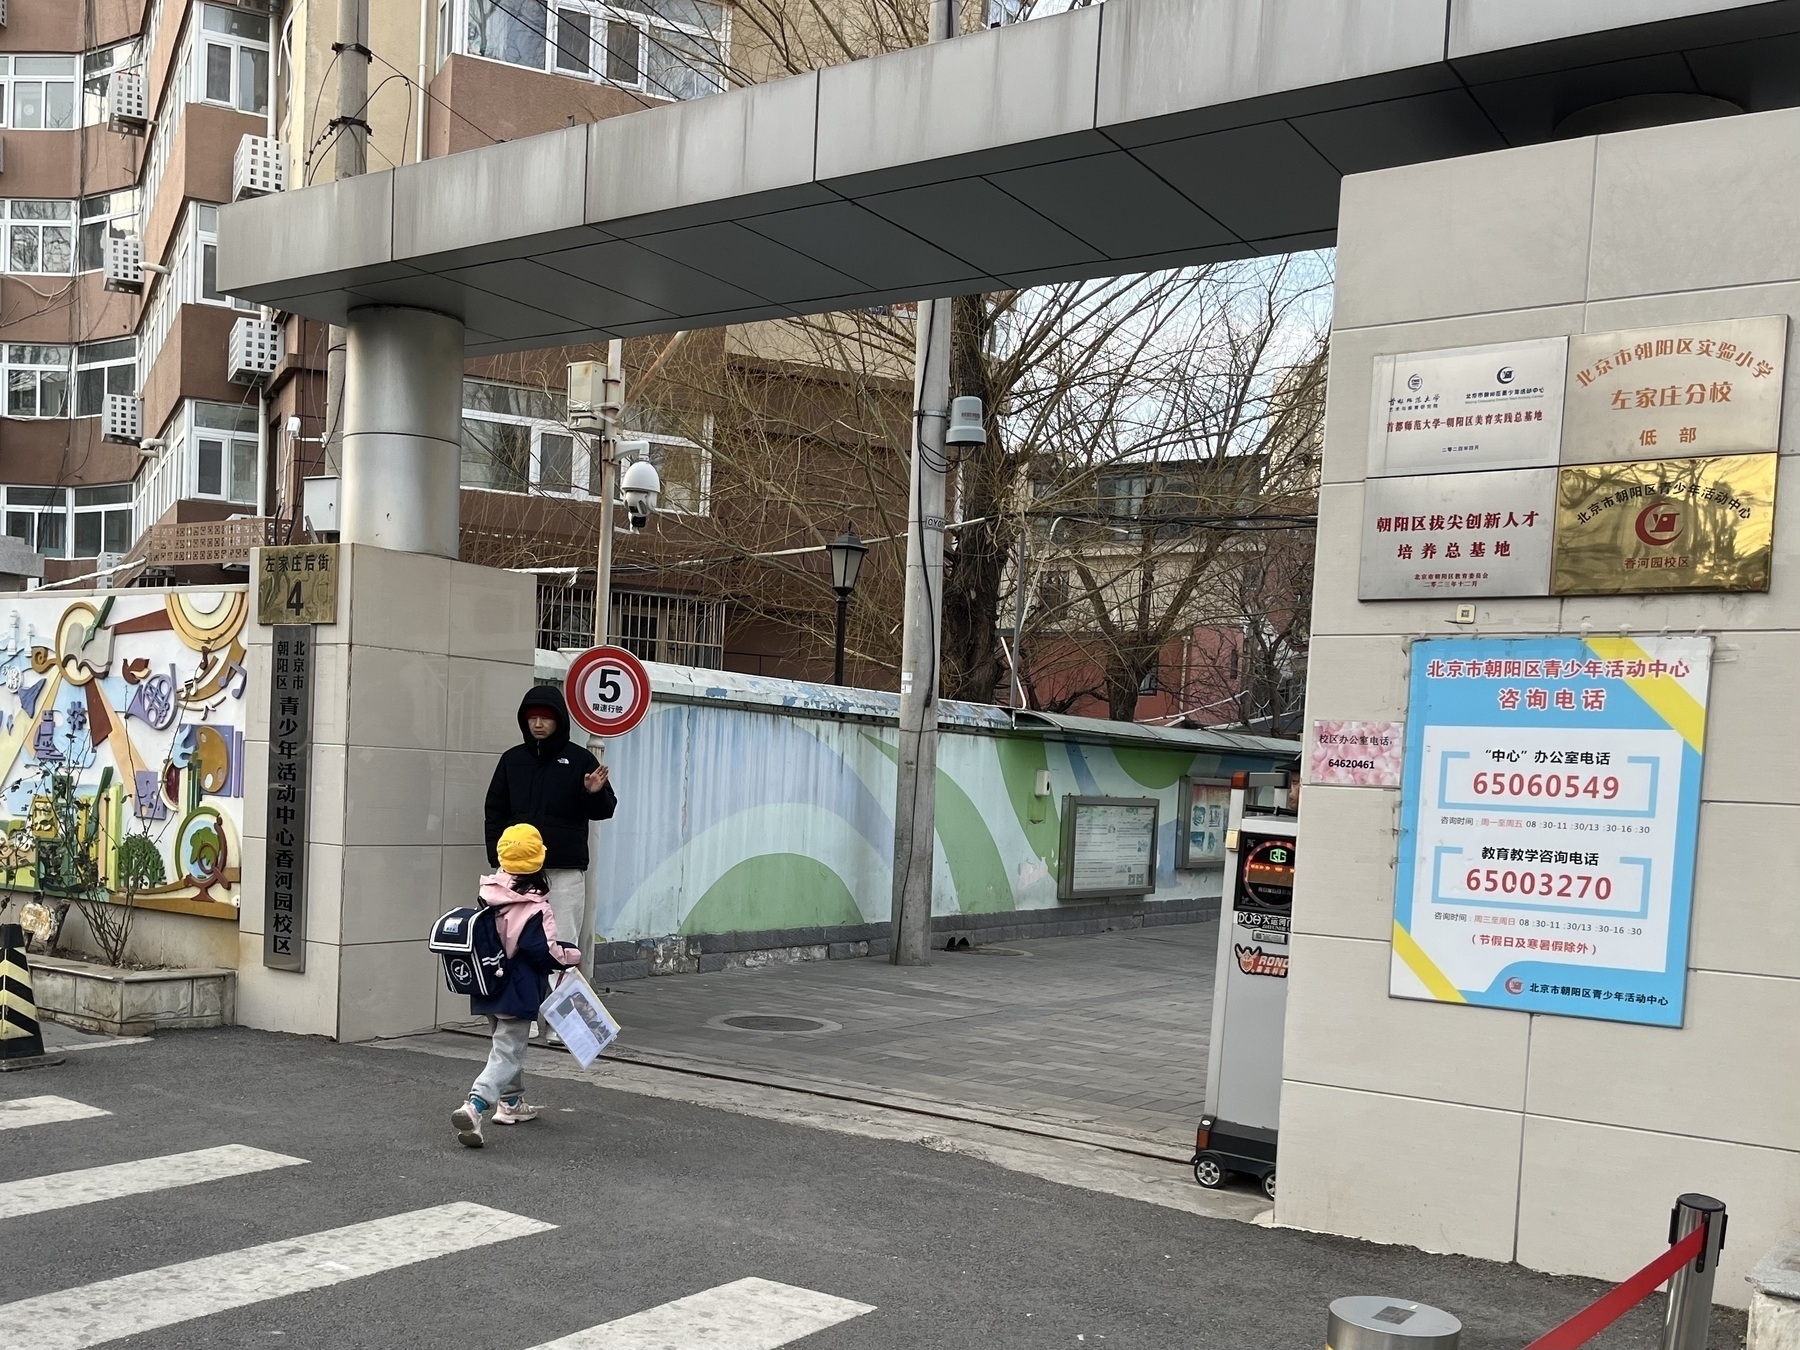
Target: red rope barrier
{"points": [[1603, 1312]]}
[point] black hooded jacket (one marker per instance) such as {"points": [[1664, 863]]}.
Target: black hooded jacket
{"points": [[540, 783]]}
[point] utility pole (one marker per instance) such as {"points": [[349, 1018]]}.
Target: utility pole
{"points": [[605, 401], [915, 783], [352, 124]]}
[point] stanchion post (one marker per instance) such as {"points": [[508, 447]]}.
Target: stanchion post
{"points": [[1691, 1287]]}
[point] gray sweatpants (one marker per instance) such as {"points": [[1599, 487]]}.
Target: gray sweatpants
{"points": [[504, 1076]]}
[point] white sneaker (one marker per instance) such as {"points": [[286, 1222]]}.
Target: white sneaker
{"points": [[515, 1113], [467, 1120]]}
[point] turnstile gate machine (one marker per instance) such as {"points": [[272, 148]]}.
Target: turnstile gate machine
{"points": [[1243, 1071]]}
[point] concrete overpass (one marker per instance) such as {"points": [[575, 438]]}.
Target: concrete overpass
{"points": [[1125, 137]]}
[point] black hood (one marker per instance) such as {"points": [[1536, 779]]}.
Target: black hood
{"points": [[551, 697]]}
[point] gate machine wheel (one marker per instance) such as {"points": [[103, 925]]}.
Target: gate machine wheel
{"points": [[1209, 1171]]}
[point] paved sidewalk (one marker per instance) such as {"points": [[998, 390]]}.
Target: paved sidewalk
{"points": [[1104, 1034]]}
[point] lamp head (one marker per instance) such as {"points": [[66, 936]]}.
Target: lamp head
{"points": [[846, 553]]}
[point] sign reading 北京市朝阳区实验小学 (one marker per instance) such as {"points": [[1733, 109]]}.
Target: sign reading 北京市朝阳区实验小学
{"points": [[1549, 805]]}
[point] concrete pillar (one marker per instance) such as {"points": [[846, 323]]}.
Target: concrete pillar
{"points": [[402, 466]]}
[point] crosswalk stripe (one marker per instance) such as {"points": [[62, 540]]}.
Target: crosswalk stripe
{"points": [[747, 1314], [64, 1190], [23, 1111], [94, 1314]]}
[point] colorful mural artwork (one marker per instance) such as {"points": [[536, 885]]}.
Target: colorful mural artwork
{"points": [[122, 746], [741, 818]]}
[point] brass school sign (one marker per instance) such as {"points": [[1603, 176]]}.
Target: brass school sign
{"points": [[1665, 525]]}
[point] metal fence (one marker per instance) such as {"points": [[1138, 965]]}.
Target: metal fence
{"points": [[682, 630]]}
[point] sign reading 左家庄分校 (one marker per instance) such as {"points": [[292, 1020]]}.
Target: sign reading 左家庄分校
{"points": [[1549, 808], [1710, 387], [1457, 535], [1467, 408]]}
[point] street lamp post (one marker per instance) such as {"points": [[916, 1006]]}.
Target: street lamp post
{"points": [[846, 562]]}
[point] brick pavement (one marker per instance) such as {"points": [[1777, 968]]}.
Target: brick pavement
{"points": [[1105, 1033]]}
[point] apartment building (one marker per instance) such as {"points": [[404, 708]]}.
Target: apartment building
{"points": [[154, 430]]}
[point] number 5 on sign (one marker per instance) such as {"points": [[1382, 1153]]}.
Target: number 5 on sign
{"points": [[608, 691]]}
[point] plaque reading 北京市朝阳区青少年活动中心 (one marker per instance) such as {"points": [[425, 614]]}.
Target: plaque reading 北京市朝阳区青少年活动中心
{"points": [[1655, 526]]}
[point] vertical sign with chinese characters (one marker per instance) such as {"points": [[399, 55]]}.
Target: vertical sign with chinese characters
{"points": [[1549, 808], [1710, 387], [290, 755]]}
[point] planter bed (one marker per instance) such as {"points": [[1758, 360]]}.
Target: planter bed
{"points": [[120, 1002]]}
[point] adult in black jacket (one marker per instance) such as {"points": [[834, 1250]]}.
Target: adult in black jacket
{"points": [[558, 787]]}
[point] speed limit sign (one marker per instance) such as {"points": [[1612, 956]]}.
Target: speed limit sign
{"points": [[608, 691]]}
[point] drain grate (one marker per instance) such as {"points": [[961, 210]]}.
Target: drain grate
{"points": [[769, 1022]]}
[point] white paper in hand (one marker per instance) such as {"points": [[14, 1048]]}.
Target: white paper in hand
{"points": [[580, 1018]]}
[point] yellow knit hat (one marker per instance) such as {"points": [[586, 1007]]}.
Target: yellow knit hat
{"points": [[521, 850]]}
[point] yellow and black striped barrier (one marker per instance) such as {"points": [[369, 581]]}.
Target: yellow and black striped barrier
{"points": [[21, 1039]]}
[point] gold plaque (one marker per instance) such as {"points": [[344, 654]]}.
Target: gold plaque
{"points": [[297, 583], [1664, 525]]}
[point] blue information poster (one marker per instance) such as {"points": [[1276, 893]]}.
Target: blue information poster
{"points": [[1549, 806]]}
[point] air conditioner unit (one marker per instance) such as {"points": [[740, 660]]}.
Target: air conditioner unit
{"points": [[108, 562], [124, 263], [255, 351], [127, 105], [2, 13], [124, 420], [259, 168]]}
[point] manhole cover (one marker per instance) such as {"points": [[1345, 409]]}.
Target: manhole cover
{"points": [[772, 1022]]}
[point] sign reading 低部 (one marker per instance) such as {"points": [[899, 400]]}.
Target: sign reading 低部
{"points": [[1548, 819], [297, 584], [1711, 387], [607, 690], [1665, 525]]}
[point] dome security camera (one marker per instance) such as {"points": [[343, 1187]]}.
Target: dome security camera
{"points": [[641, 487]]}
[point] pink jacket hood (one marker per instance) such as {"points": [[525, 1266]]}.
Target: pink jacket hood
{"points": [[514, 909]]}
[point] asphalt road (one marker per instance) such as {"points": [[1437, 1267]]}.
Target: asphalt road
{"points": [[652, 1200]]}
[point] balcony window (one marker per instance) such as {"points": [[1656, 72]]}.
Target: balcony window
{"points": [[516, 439], [37, 380], [40, 236], [672, 49], [107, 213], [103, 368], [37, 93], [39, 517], [225, 459], [102, 520], [97, 68], [233, 52]]}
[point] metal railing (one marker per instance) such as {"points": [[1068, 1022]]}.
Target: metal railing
{"points": [[682, 630]]}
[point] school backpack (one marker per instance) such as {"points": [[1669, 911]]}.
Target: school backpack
{"points": [[469, 943]]}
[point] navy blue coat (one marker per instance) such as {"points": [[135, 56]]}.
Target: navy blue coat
{"points": [[528, 973]]}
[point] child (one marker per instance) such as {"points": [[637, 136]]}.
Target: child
{"points": [[527, 928]]}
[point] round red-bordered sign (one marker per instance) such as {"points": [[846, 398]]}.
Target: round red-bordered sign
{"points": [[608, 691]]}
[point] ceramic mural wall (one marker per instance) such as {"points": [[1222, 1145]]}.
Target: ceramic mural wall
{"points": [[122, 732]]}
